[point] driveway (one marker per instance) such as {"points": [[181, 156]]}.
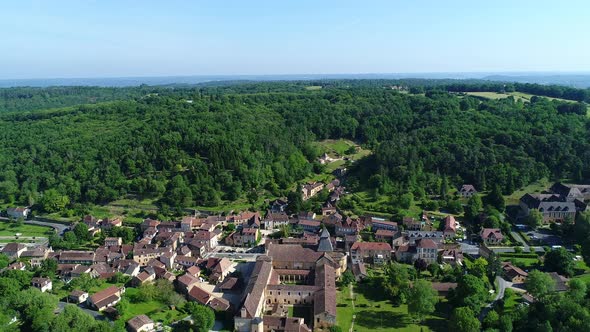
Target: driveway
{"points": [[502, 285]]}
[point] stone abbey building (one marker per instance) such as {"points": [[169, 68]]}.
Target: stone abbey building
{"points": [[287, 275]]}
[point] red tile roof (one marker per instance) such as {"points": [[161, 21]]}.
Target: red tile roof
{"points": [[382, 246], [488, 233], [426, 243], [200, 295]]}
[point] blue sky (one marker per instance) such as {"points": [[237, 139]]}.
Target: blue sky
{"points": [[102, 38]]}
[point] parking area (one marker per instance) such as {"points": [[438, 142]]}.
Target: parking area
{"points": [[543, 237]]}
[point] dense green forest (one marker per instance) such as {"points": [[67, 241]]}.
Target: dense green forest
{"points": [[197, 145], [28, 98]]}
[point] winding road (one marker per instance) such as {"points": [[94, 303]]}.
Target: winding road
{"points": [[59, 228]]}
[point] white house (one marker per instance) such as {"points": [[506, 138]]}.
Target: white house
{"points": [[43, 284], [18, 212]]}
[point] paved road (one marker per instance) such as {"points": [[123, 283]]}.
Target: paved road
{"points": [[60, 228], [502, 285], [518, 238], [234, 256], [470, 249]]}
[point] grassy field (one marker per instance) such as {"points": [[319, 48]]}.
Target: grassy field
{"points": [[338, 148], [518, 95], [313, 87], [102, 286], [495, 95], [375, 313], [523, 262], [535, 187], [10, 229], [156, 310], [379, 206]]}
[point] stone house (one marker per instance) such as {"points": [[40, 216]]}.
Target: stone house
{"points": [[370, 252]]}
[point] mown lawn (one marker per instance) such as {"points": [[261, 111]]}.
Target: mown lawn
{"points": [[510, 302], [523, 262], [375, 313], [10, 229], [156, 310], [535, 187]]}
